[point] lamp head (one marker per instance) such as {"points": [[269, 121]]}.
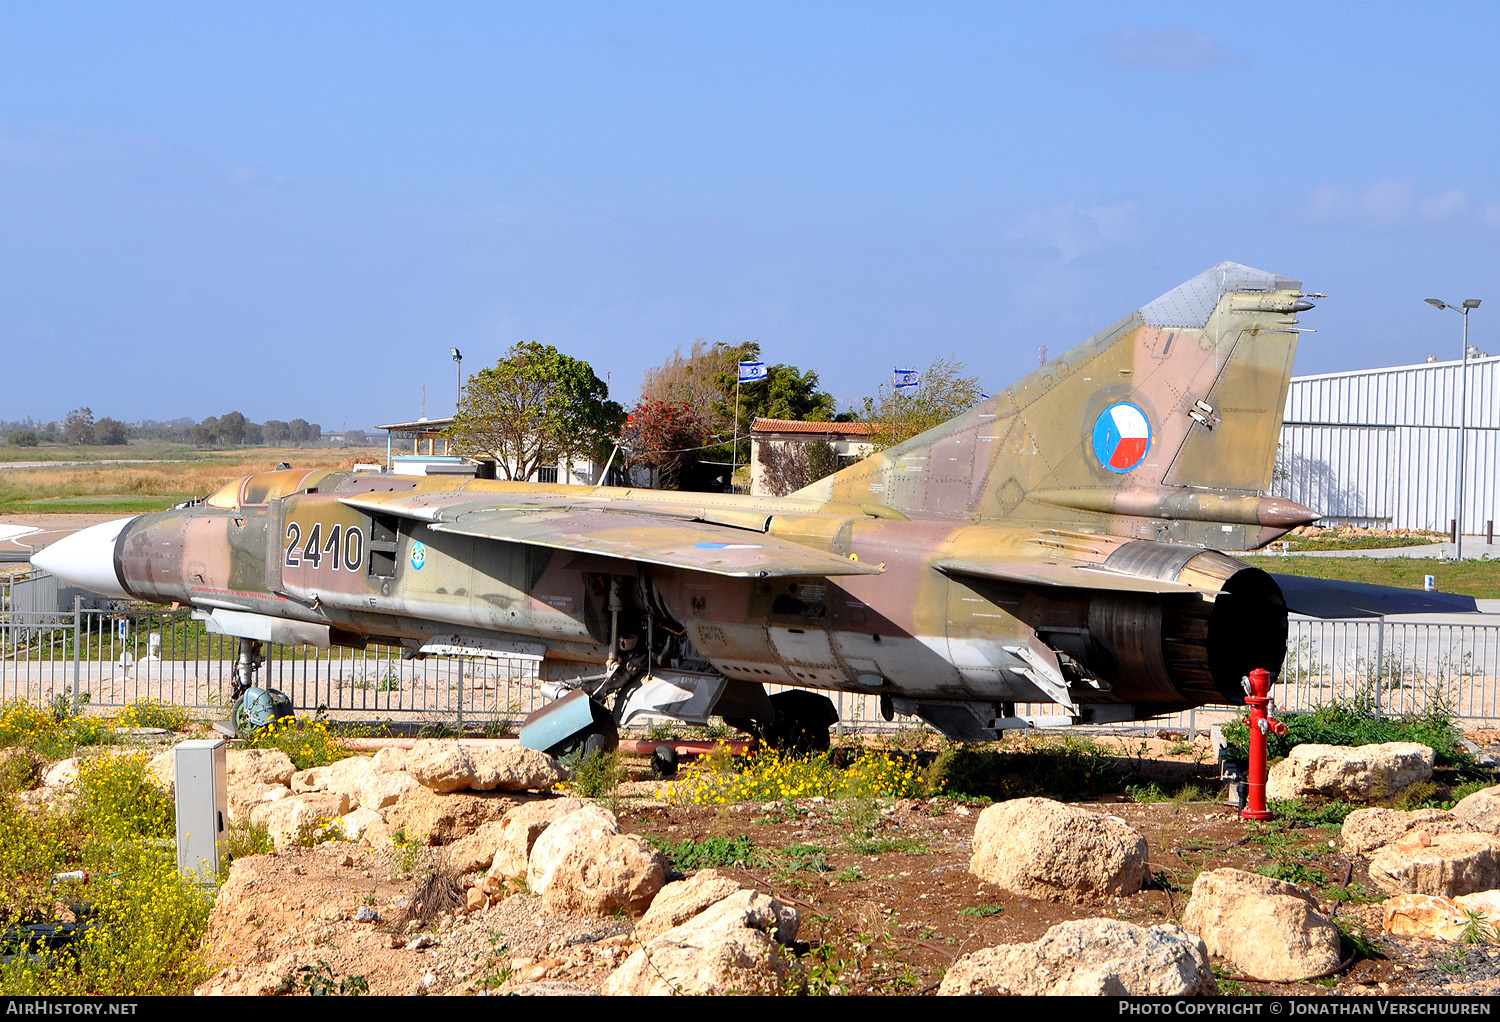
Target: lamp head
{"points": [[1471, 303], [1435, 303], [456, 356]]}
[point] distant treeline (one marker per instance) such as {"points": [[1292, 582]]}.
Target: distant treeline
{"points": [[80, 428]]}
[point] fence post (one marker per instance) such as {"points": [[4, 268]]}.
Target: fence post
{"points": [[460, 661], [1379, 663], [77, 639]]}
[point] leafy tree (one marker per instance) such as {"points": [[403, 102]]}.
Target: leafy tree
{"points": [[664, 437], [534, 406], [78, 428], [234, 429], [300, 431], [25, 438], [275, 432], [897, 416], [355, 438], [704, 381], [110, 432]]}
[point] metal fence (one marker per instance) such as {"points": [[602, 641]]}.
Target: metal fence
{"points": [[110, 658]]}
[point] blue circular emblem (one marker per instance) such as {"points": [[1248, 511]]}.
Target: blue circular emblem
{"points": [[418, 554], [1122, 436]]}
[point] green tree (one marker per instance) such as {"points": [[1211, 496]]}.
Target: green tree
{"points": [[276, 432], [110, 432], [897, 416], [78, 427], [534, 406], [704, 381], [25, 438]]}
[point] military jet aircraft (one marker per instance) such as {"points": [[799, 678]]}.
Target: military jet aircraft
{"points": [[1058, 543]]}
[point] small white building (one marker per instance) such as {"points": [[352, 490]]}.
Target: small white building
{"points": [[783, 456], [1379, 447]]}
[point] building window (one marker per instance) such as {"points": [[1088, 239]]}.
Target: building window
{"points": [[547, 474]]}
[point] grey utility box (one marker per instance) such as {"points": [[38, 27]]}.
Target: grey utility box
{"points": [[202, 807]]}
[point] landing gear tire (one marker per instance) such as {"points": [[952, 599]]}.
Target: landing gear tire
{"points": [[602, 736], [801, 724]]}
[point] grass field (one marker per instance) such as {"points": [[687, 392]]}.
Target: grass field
{"points": [[1479, 579], [178, 473]]}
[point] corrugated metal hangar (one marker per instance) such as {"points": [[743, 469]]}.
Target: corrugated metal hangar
{"points": [[1380, 447]]}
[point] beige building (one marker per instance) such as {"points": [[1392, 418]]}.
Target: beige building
{"points": [[787, 455]]}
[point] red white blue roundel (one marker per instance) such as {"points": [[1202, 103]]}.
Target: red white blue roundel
{"points": [[1122, 436]]}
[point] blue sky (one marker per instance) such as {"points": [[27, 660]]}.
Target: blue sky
{"points": [[296, 209]]}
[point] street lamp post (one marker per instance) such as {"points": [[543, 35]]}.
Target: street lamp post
{"points": [[1469, 304], [458, 361]]}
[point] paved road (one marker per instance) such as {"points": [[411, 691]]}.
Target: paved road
{"points": [[21, 534]]}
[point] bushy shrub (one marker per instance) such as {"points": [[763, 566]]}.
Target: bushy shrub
{"points": [[1353, 724]]}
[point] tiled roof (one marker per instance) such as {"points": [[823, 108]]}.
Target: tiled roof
{"points": [[841, 429]]}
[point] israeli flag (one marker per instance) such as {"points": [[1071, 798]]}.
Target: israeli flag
{"points": [[904, 378], [752, 372]]}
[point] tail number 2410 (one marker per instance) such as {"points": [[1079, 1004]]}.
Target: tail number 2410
{"points": [[345, 547]]}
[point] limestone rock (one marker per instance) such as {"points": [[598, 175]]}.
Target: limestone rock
{"points": [[163, 768], [578, 827], [1365, 830], [440, 765], [515, 768], [344, 776], [298, 819], [259, 767], [680, 900], [1266, 928], [1364, 772], [1042, 848], [447, 766], [1090, 957], [1434, 918], [1452, 864], [390, 760], [61, 773], [357, 823], [476, 851], [609, 873], [726, 949], [519, 830], [1481, 810], [435, 819], [379, 789]]}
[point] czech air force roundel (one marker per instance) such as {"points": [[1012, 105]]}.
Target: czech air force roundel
{"points": [[1122, 436]]}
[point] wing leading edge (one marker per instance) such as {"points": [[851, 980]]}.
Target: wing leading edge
{"points": [[634, 535]]}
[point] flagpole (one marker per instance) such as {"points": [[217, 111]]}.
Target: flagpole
{"points": [[734, 454]]}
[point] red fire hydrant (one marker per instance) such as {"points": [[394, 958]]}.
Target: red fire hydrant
{"points": [[1258, 685]]}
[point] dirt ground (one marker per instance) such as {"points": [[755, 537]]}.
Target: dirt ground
{"points": [[890, 922]]}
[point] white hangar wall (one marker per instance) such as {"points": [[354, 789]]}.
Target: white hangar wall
{"points": [[1379, 447]]}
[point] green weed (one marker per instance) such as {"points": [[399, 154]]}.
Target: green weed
{"points": [[1154, 792], [689, 855], [799, 857], [982, 911], [596, 774], [319, 981]]}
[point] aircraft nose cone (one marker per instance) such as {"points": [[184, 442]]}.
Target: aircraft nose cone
{"points": [[87, 558]]}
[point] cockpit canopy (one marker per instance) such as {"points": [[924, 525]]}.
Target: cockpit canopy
{"points": [[259, 489]]}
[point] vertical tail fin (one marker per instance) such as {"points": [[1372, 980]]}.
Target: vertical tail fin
{"points": [[1163, 426]]}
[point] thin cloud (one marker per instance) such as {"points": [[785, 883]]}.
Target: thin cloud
{"points": [[1389, 203], [1072, 231], [1166, 49]]}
